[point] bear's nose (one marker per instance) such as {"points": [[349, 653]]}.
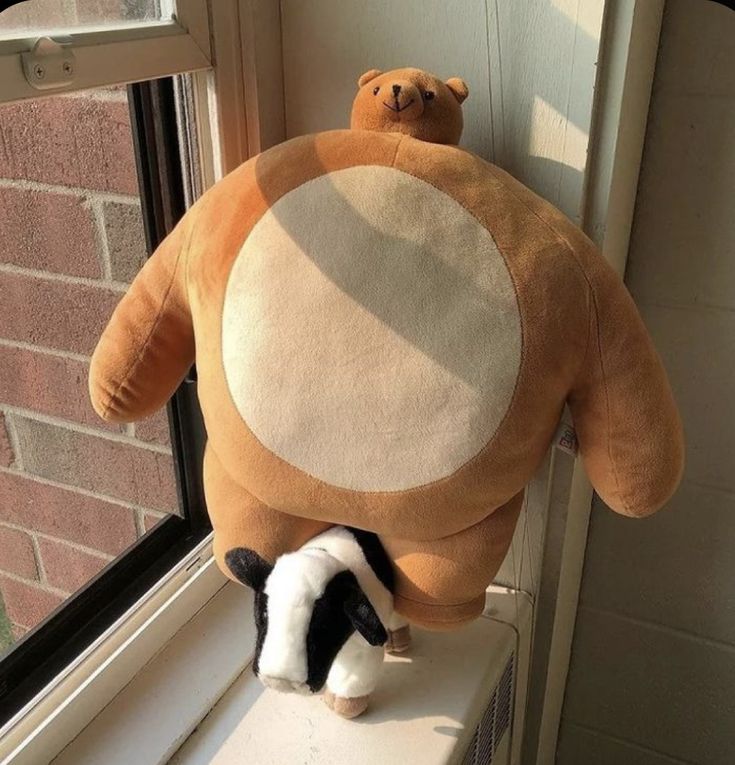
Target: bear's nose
{"points": [[396, 90]]}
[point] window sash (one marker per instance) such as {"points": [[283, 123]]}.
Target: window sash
{"points": [[116, 54]]}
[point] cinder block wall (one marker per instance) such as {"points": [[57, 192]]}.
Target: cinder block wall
{"points": [[74, 492], [652, 677]]}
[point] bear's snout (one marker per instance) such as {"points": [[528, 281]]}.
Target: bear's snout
{"points": [[402, 101]]}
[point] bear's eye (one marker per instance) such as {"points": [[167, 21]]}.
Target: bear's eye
{"points": [[376, 91], [428, 95]]}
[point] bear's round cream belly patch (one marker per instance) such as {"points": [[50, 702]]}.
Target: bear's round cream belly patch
{"points": [[370, 331]]}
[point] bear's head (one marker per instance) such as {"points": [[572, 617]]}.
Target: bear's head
{"points": [[412, 102]]}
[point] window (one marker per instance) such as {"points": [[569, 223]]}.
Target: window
{"points": [[94, 171], [72, 238], [81, 501]]}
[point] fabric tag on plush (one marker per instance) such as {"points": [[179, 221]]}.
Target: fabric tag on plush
{"points": [[566, 439]]}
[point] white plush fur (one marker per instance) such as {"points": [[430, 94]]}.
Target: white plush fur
{"points": [[295, 583], [341, 545], [356, 669]]}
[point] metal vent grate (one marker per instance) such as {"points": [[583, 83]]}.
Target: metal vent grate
{"points": [[495, 721]]}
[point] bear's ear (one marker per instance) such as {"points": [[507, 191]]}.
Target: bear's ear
{"points": [[458, 87], [371, 74]]}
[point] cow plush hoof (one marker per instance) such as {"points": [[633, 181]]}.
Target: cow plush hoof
{"points": [[344, 707], [399, 640], [283, 685]]}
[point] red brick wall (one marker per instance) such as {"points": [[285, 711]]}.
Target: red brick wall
{"points": [[74, 492]]}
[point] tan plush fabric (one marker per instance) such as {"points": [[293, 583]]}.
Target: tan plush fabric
{"points": [[412, 102], [148, 345], [452, 289]]}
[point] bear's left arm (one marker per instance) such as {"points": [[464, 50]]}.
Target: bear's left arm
{"points": [[629, 430]]}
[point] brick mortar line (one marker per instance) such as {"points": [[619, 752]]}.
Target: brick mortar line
{"points": [[103, 243], [77, 281], [87, 430], [139, 523], [84, 492], [36, 584], [20, 345], [13, 439], [158, 513], [40, 568], [76, 191], [157, 516], [51, 538]]}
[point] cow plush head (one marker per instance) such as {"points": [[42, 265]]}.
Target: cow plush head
{"points": [[306, 607]]}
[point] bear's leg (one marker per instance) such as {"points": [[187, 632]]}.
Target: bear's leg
{"points": [[440, 584], [241, 521]]}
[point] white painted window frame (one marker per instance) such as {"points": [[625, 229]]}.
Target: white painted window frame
{"points": [[627, 61]]}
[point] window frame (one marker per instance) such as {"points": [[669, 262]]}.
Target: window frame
{"points": [[224, 102]]}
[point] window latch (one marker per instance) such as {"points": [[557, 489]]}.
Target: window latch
{"points": [[50, 64]]}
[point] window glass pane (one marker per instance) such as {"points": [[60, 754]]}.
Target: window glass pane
{"points": [[74, 492], [32, 15]]}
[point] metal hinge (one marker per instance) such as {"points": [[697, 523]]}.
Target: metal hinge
{"points": [[50, 64]]}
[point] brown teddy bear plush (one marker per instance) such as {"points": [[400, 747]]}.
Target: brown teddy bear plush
{"points": [[386, 330]]}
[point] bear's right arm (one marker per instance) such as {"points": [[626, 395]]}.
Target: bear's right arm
{"points": [[148, 344]]}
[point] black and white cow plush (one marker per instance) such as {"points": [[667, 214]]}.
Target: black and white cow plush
{"points": [[323, 615]]}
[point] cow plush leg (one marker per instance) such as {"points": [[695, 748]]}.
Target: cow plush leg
{"points": [[242, 521], [440, 584], [399, 634], [353, 677]]}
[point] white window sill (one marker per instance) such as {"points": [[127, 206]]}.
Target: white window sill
{"points": [[425, 709], [155, 712]]}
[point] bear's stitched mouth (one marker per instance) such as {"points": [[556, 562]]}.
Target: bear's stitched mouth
{"points": [[398, 108]]}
